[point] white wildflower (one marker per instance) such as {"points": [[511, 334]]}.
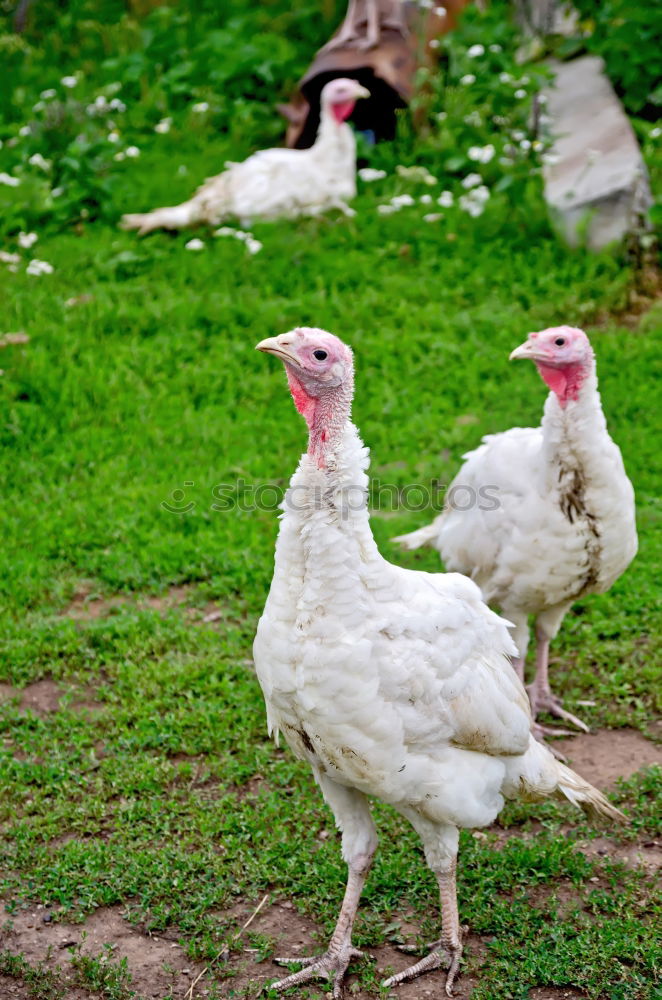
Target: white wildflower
{"points": [[434, 43], [10, 181], [242, 235], [542, 98], [656, 132], [194, 244], [445, 199], [425, 199], [39, 106], [132, 152], [25, 130], [163, 126], [467, 79], [523, 81], [426, 4], [474, 201], [440, 11], [47, 95], [476, 50], [69, 81], [37, 160], [432, 217], [481, 154], [101, 102], [224, 231], [537, 145], [57, 192], [495, 47], [402, 200], [113, 137], [519, 94], [253, 246], [369, 174], [473, 119], [27, 240], [471, 180], [505, 77], [9, 258], [525, 144], [387, 209], [442, 116], [119, 156], [200, 107], [518, 135], [117, 105], [39, 267]]}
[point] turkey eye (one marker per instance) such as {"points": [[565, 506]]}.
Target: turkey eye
{"points": [[559, 341], [320, 355]]}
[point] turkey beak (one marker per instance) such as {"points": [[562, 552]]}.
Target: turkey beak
{"points": [[526, 351], [362, 92], [273, 345]]}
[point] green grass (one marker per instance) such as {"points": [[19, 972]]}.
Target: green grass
{"points": [[152, 383]]}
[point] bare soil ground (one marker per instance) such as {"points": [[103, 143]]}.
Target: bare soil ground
{"points": [[158, 964], [608, 754]]}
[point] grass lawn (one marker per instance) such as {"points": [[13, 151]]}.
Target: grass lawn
{"points": [[137, 783]]}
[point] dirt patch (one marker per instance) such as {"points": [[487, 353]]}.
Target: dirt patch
{"points": [[41, 698], [45, 696], [608, 754], [87, 605], [646, 855], [158, 967]]}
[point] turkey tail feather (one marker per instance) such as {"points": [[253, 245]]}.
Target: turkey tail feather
{"points": [[578, 791], [414, 540]]}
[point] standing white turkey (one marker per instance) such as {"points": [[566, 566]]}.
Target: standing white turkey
{"points": [[388, 682], [277, 183], [564, 524]]}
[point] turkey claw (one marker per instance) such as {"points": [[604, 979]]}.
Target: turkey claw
{"points": [[438, 957], [331, 965], [543, 701]]}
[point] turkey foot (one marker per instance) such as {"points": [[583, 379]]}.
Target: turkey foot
{"points": [[332, 965], [441, 955], [542, 700]]}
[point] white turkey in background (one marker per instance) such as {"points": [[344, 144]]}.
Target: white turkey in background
{"points": [[564, 521], [387, 681], [277, 183]]}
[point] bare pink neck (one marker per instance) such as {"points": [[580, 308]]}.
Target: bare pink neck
{"points": [[326, 416], [567, 382]]}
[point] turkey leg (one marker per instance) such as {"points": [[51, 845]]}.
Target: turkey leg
{"points": [[540, 693], [359, 843], [333, 964], [446, 951]]}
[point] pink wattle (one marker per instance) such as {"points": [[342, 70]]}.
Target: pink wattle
{"points": [[343, 110], [564, 382], [304, 403]]}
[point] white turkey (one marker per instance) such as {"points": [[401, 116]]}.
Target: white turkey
{"points": [[562, 524], [387, 681], [277, 183]]}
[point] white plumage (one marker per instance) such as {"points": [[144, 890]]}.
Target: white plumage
{"points": [[387, 681], [277, 183], [554, 517]]}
